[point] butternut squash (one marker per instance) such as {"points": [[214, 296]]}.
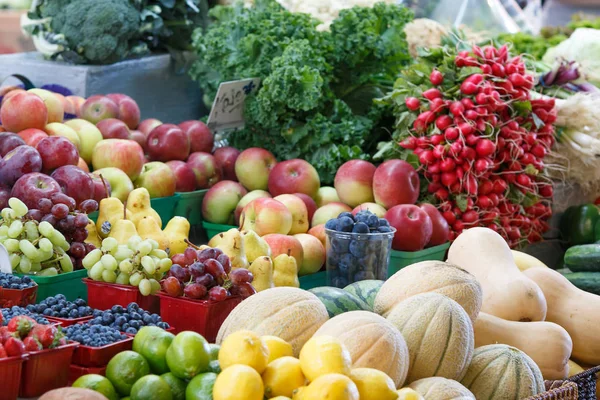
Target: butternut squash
{"points": [[547, 343], [507, 293], [430, 276], [574, 368], [574, 309]]}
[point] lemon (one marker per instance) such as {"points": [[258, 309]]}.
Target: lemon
{"points": [[324, 355], [238, 382], [277, 347], [373, 384], [299, 393], [331, 387], [409, 394], [282, 377], [280, 398], [244, 347]]}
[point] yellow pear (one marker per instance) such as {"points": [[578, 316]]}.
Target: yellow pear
{"points": [[255, 246], [93, 234], [148, 228], [110, 211], [138, 204], [177, 231], [122, 231], [262, 269], [232, 244], [285, 271]]}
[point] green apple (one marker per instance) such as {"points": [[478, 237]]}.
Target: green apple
{"points": [[56, 108], [158, 178], [120, 183], [89, 136], [60, 129]]}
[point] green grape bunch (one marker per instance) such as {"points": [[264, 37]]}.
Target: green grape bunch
{"points": [[33, 247], [138, 263]]}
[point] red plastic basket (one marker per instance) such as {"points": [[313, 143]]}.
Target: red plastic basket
{"points": [[77, 371], [102, 296], [86, 356], [64, 322], [201, 316], [17, 297], [46, 370], [10, 376], [170, 329]]}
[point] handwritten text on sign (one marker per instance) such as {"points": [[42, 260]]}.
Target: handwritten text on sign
{"points": [[227, 112]]}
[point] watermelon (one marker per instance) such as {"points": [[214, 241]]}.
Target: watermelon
{"points": [[338, 301], [365, 290]]}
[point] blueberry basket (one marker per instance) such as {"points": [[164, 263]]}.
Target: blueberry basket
{"points": [[353, 257]]}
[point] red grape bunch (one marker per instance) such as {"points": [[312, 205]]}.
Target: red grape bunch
{"points": [[206, 274]]}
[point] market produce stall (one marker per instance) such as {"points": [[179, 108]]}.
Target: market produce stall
{"points": [[286, 202]]}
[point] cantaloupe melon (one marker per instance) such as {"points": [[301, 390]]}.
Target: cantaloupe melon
{"points": [[430, 276], [438, 333], [499, 371], [373, 342], [438, 388], [289, 313]]}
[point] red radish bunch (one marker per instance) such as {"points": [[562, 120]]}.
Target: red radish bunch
{"points": [[481, 142]]}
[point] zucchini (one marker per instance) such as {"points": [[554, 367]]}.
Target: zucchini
{"points": [[588, 281], [583, 258]]}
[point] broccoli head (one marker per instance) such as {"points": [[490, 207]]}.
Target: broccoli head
{"points": [[101, 30]]}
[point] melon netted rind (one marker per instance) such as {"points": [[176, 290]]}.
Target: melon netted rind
{"points": [[499, 371], [289, 313], [438, 333], [338, 301], [431, 276], [365, 290], [373, 342], [438, 388]]}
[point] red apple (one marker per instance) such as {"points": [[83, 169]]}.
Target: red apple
{"points": [[20, 161], [264, 216], [205, 168], [126, 155], [167, 142], [284, 244], [102, 187], [9, 91], [226, 158], [248, 197], [158, 178], [354, 182], [327, 212], [76, 103], [140, 138], [184, 175], [9, 141], [4, 195], [200, 136], [220, 201], [405, 189], [441, 229], [74, 182], [97, 108], [413, 227], [294, 176], [311, 205], [147, 125], [129, 111], [32, 187], [83, 165], [318, 231], [314, 254], [54, 106], [300, 221], [253, 166], [373, 207], [32, 136], [113, 128], [57, 151], [23, 111]]}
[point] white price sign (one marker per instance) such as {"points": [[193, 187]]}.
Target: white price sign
{"points": [[227, 111], [4, 261]]}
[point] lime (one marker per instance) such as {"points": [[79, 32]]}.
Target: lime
{"points": [[151, 387], [188, 355], [214, 351], [97, 383], [201, 387], [214, 366], [177, 385], [152, 343], [124, 369]]}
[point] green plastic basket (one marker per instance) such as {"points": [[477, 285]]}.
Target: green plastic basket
{"points": [[311, 281], [214, 229], [190, 206], [401, 259], [165, 207], [70, 284]]}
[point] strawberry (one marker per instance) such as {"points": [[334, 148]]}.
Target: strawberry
{"points": [[2, 352], [14, 347], [5, 334], [21, 324], [32, 344], [48, 335]]}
